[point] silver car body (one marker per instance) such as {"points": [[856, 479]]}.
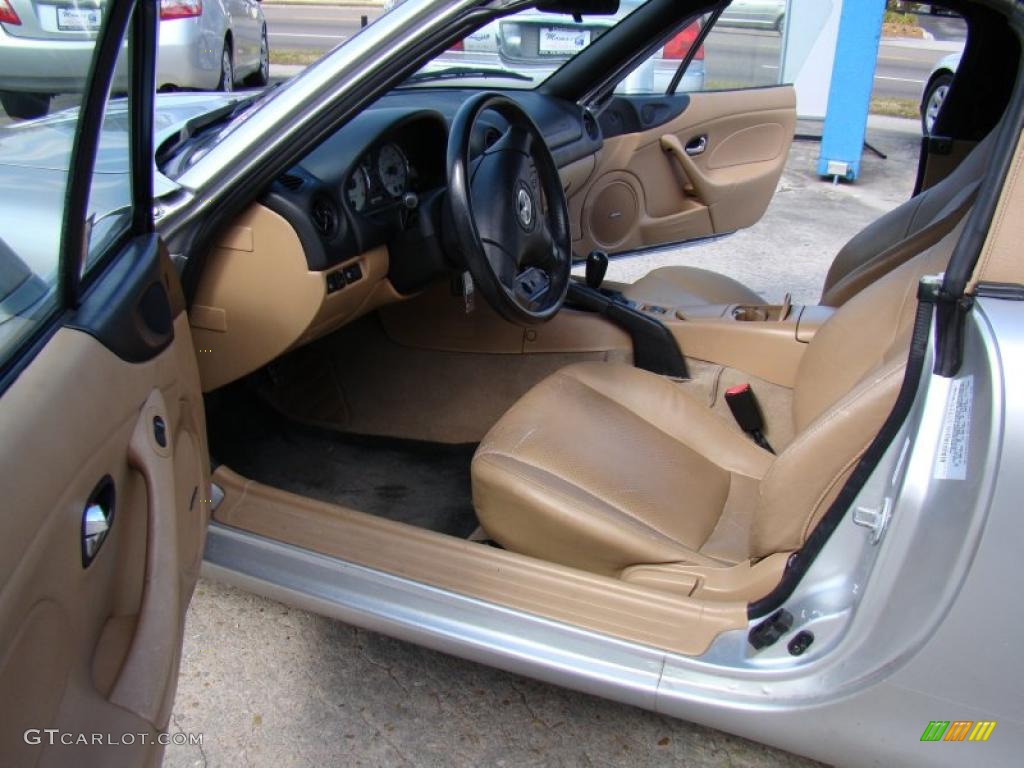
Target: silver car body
{"points": [[46, 53], [760, 14], [34, 158], [190, 49]]}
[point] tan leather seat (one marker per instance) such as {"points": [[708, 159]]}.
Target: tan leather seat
{"points": [[878, 249], [603, 466]]}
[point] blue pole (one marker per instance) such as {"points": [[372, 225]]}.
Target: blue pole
{"points": [[849, 97]]}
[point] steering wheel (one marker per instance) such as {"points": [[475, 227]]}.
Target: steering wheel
{"points": [[509, 211]]}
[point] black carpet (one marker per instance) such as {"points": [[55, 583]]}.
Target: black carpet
{"points": [[423, 484]]}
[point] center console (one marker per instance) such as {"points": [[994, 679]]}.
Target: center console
{"points": [[767, 341]]}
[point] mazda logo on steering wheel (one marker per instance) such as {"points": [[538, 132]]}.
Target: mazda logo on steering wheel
{"points": [[524, 207]]}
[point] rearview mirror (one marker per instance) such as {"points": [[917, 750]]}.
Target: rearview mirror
{"points": [[580, 7]]}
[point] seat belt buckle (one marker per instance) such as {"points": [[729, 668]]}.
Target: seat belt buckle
{"points": [[743, 404]]}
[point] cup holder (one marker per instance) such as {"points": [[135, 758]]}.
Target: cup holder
{"points": [[760, 313]]}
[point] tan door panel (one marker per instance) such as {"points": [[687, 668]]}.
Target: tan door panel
{"points": [[95, 649], [711, 170]]}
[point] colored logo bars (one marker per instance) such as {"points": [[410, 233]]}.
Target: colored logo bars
{"points": [[958, 730]]}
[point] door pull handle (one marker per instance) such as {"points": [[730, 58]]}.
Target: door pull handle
{"points": [[696, 146]]}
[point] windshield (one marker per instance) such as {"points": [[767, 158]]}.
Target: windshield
{"points": [[518, 51]]}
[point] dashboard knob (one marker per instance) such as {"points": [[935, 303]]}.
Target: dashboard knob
{"points": [[410, 200]]}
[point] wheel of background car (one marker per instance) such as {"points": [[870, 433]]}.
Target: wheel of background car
{"points": [[25, 106], [227, 69], [261, 76], [510, 215], [933, 99]]}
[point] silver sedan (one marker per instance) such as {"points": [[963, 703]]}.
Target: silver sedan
{"points": [[46, 47]]}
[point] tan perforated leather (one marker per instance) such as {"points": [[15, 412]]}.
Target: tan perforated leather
{"points": [[604, 467]]}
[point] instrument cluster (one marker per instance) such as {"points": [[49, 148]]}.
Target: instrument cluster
{"points": [[379, 179]]}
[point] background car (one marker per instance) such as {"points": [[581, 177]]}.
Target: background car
{"points": [[209, 45], [936, 89], [762, 14], [535, 43]]}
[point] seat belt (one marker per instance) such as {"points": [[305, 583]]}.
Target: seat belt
{"points": [[743, 404]]}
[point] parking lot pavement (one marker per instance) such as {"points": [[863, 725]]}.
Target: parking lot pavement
{"points": [[270, 685]]}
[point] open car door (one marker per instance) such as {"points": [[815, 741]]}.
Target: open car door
{"points": [[692, 150], [103, 457]]}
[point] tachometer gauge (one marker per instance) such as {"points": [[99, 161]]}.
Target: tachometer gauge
{"points": [[358, 188], [393, 169]]}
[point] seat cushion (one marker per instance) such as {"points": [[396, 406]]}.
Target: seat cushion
{"points": [[687, 287], [604, 466]]}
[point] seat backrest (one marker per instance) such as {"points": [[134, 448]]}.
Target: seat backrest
{"points": [[846, 386], [907, 230]]}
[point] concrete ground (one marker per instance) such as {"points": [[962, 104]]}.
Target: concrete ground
{"points": [[268, 685]]}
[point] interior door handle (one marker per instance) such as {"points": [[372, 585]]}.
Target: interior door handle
{"points": [[142, 684], [704, 185], [696, 146], [97, 518]]}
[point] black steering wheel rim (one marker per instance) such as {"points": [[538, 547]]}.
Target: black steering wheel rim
{"points": [[513, 233]]}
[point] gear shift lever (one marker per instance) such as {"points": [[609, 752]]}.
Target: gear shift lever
{"points": [[597, 265]]}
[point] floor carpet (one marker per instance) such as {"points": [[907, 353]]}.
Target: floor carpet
{"points": [[419, 483]]}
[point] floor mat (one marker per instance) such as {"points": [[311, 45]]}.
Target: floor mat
{"points": [[423, 484]]}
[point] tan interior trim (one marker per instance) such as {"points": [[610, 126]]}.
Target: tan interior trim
{"points": [[1000, 260], [74, 654], [601, 604], [138, 688], [258, 270], [744, 580], [576, 174], [770, 349], [644, 189], [451, 329]]}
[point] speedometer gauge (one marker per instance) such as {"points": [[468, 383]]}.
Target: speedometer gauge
{"points": [[393, 170], [358, 188]]}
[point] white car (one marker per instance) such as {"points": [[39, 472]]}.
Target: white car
{"points": [[45, 48], [935, 91]]}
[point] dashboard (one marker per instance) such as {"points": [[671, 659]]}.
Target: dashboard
{"points": [[380, 180], [360, 222]]}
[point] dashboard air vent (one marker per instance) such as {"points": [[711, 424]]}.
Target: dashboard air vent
{"points": [[325, 217], [290, 181]]}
